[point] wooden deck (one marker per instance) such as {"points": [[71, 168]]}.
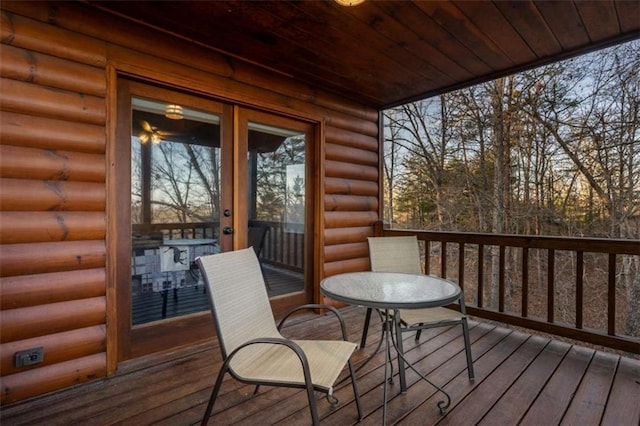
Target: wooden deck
{"points": [[520, 379]]}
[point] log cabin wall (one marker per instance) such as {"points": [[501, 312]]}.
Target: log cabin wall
{"points": [[57, 62]]}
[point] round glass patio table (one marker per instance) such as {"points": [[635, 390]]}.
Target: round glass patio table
{"points": [[392, 291]]}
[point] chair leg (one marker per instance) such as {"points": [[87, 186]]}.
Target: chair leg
{"points": [[467, 347], [214, 393], [312, 405], [365, 330], [419, 332], [355, 389]]}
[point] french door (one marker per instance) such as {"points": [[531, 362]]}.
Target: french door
{"points": [[197, 177]]}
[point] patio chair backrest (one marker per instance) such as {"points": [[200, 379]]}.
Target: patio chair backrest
{"points": [[395, 254], [238, 297]]}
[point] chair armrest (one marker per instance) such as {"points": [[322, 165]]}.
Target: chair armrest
{"points": [[318, 306], [276, 341]]}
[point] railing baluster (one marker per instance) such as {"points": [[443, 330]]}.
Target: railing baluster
{"points": [[611, 320], [443, 259], [461, 266], [579, 287], [480, 275], [427, 257], [501, 262], [525, 282], [551, 261]]}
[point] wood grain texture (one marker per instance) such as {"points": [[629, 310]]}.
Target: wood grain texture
{"points": [[45, 70], [42, 320], [58, 347], [33, 258], [39, 132], [335, 202], [28, 34], [65, 374], [338, 185], [347, 235], [41, 289], [49, 164], [36, 195], [22, 97], [34, 227], [345, 251]]}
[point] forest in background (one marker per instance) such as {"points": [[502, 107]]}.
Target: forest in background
{"points": [[549, 151]]}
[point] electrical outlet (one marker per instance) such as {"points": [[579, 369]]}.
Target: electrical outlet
{"points": [[29, 357]]}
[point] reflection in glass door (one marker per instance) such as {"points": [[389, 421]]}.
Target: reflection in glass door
{"points": [[175, 207], [277, 205]]}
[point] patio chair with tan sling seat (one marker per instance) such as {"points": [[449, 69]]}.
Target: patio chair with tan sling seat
{"points": [[253, 350], [402, 254]]}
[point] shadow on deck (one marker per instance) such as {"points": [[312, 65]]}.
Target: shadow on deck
{"points": [[520, 379]]}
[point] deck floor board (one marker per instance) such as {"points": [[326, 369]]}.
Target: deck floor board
{"points": [[520, 379]]}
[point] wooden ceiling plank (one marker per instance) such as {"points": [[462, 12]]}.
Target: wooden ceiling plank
{"points": [[600, 19], [339, 48], [492, 23], [432, 58], [449, 17], [337, 19], [565, 22], [254, 39], [527, 21], [426, 31], [628, 15]]}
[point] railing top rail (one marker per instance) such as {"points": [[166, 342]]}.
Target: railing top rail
{"points": [[591, 245]]}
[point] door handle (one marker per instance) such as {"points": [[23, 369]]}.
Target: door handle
{"points": [[227, 230]]}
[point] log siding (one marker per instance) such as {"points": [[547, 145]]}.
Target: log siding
{"points": [[54, 197]]}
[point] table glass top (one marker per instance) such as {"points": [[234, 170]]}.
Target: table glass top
{"points": [[390, 290]]}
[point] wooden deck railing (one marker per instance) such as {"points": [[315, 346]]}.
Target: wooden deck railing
{"points": [[521, 298]]}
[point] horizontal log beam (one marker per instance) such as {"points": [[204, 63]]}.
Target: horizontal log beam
{"points": [[349, 219], [45, 70], [39, 132], [42, 320], [48, 164], [347, 235], [350, 171], [352, 139], [37, 195], [19, 386], [349, 265], [40, 289], [28, 34], [35, 258], [58, 347], [347, 154], [336, 202], [21, 97], [360, 126], [340, 252], [338, 185], [30, 227]]}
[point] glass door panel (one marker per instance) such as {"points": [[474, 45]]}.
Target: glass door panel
{"points": [[277, 204], [175, 207]]}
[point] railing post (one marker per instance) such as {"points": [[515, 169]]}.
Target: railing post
{"points": [[579, 287], [551, 263], [480, 275], [461, 266], [525, 281], [611, 320], [501, 262]]}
